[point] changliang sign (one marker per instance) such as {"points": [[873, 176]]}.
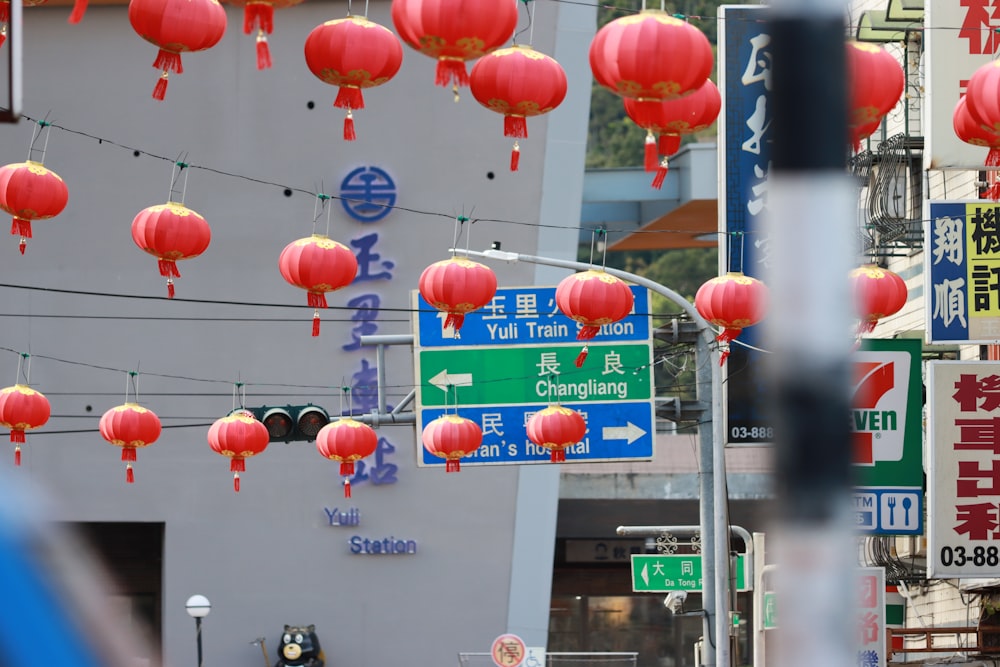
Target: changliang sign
{"points": [[964, 431], [744, 142], [888, 447], [962, 264]]}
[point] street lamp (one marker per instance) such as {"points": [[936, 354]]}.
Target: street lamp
{"points": [[198, 607]]}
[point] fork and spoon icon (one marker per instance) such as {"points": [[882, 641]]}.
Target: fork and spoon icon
{"points": [[907, 505]]}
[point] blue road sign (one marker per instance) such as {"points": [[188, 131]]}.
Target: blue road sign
{"points": [[615, 431], [621, 424], [526, 316]]}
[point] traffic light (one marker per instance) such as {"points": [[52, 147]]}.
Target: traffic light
{"points": [[292, 422]]}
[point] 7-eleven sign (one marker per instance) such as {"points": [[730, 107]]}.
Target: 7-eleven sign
{"points": [[879, 407]]}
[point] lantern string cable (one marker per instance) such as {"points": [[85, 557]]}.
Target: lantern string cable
{"points": [[175, 173], [23, 362], [529, 11], [290, 189], [42, 127]]}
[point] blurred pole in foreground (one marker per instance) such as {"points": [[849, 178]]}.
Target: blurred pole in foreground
{"points": [[811, 230]]}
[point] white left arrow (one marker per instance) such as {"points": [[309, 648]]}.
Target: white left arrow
{"points": [[444, 380], [630, 433], [645, 574]]}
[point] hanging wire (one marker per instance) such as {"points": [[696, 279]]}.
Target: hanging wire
{"points": [[24, 360], [318, 207], [175, 174], [529, 10], [42, 126], [239, 390]]}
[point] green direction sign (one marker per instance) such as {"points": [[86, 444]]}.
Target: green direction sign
{"points": [[662, 573], [532, 375], [770, 612]]}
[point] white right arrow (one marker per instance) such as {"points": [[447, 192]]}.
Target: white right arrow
{"points": [[645, 574], [443, 380], [631, 433]]}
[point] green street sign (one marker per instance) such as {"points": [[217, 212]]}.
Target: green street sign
{"points": [[532, 375], [770, 611], [662, 573]]}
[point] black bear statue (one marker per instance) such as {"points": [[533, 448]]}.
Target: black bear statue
{"points": [[300, 647]]}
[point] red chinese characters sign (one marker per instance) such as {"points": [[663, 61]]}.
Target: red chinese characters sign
{"points": [[963, 515]]}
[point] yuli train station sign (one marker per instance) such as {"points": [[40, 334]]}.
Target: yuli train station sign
{"points": [[517, 355]]}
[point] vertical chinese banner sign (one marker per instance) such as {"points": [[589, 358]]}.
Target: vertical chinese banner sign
{"points": [[744, 144], [872, 646], [962, 266], [950, 57], [964, 476]]}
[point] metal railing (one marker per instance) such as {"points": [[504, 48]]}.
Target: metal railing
{"points": [[966, 639]]}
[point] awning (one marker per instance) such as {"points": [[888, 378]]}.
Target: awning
{"points": [[694, 224]]}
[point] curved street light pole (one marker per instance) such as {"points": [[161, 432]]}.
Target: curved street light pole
{"points": [[713, 505]]}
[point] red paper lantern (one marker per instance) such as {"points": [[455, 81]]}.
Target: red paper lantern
{"points": [[982, 96], [176, 26], [518, 82], [733, 301], [666, 121], [454, 31], [451, 437], [130, 426], [318, 265], [29, 191], [238, 436], [971, 132], [593, 298], [650, 56], [457, 286], [171, 232], [22, 409], [878, 293], [875, 83], [346, 440], [260, 14], [353, 53], [555, 428]]}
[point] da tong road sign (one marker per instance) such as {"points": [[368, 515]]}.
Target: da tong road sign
{"points": [[662, 573], [517, 355]]}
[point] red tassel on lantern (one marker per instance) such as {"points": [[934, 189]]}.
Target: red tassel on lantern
{"points": [[515, 157], [347, 487], [650, 157], [79, 8], [661, 173]]}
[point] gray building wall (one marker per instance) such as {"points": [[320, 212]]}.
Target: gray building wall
{"points": [[268, 555]]}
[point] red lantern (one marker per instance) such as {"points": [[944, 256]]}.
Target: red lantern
{"points": [[669, 119], [451, 437], [457, 286], [733, 301], [518, 82], [171, 232], [346, 440], [971, 132], [353, 53], [454, 31], [878, 293], [22, 409], [593, 298], [29, 191], [130, 426], [875, 79], [260, 14], [650, 56], [555, 428], [318, 265], [983, 96], [238, 436], [176, 26]]}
